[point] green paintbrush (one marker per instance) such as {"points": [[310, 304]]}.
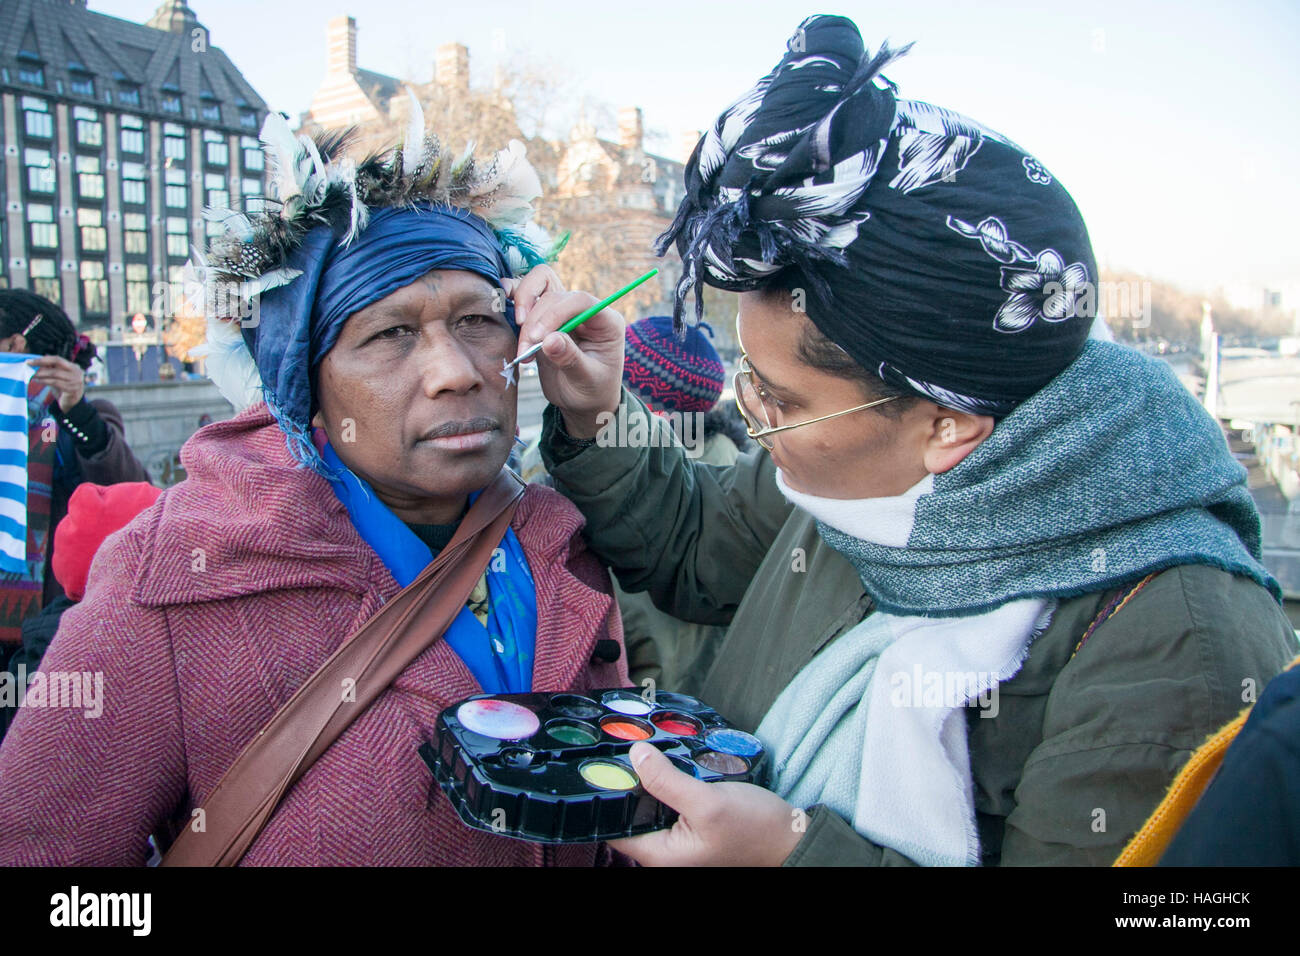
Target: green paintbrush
{"points": [[508, 370]]}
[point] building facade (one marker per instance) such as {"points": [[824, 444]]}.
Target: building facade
{"points": [[116, 137]]}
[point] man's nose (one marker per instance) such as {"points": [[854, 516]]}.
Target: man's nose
{"points": [[448, 366]]}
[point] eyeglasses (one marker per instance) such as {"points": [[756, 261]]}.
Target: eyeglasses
{"points": [[754, 403]]}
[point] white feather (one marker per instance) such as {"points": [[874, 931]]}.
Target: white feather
{"points": [[513, 187], [411, 146], [281, 149], [229, 365]]}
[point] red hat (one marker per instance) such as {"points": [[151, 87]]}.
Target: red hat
{"points": [[94, 512]]}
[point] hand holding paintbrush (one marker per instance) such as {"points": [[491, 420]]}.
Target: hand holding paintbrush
{"points": [[581, 340]]}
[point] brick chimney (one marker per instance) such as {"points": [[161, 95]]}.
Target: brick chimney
{"points": [[451, 68], [689, 140], [631, 129], [341, 45]]}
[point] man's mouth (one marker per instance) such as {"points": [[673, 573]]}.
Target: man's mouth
{"points": [[471, 435]]}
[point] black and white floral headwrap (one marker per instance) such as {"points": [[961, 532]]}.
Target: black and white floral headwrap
{"points": [[932, 249]]}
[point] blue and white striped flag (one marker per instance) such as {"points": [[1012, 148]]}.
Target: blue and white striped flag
{"points": [[15, 373]]}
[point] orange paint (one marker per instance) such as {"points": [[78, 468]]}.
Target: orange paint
{"points": [[624, 730]]}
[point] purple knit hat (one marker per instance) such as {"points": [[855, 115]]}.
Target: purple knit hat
{"points": [[668, 374]]}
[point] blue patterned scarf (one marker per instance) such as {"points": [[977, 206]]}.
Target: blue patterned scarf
{"points": [[500, 655], [1108, 473]]}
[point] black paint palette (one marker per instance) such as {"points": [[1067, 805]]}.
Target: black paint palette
{"points": [[554, 768]]}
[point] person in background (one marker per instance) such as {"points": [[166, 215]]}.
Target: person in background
{"points": [[679, 377], [94, 512], [90, 443]]}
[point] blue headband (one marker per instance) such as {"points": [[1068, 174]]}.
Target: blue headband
{"points": [[299, 322]]}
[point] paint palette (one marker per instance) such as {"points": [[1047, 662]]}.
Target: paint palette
{"points": [[554, 768]]}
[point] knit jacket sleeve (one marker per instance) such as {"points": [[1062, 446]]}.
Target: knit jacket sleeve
{"points": [[89, 773], [690, 534]]}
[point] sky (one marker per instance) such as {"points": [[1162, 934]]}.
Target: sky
{"points": [[1171, 124]]}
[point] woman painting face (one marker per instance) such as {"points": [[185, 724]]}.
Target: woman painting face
{"points": [[412, 398], [864, 454]]}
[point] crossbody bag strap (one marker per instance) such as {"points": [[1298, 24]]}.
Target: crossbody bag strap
{"points": [[364, 666]]}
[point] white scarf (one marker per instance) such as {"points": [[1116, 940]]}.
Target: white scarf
{"points": [[890, 755]]}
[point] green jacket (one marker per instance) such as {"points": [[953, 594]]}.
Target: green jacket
{"points": [[1078, 751]]}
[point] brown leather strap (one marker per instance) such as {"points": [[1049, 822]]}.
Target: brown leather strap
{"points": [[362, 667]]}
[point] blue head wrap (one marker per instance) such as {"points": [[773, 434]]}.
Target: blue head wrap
{"points": [[299, 322]]}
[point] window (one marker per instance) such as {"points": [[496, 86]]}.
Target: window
{"points": [[81, 84], [218, 154], [90, 134], [218, 196], [94, 238], [212, 113], [45, 279], [177, 197], [178, 243], [248, 120], [94, 287], [254, 160], [171, 104], [45, 233], [128, 95], [175, 176], [174, 147], [32, 73], [137, 287], [252, 187], [131, 122], [90, 182], [133, 175], [132, 141], [85, 113], [135, 239], [37, 120], [40, 171]]}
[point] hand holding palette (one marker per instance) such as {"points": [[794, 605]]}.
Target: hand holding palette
{"points": [[554, 768]]}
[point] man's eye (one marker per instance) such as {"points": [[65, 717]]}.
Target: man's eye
{"points": [[396, 331], [476, 320]]}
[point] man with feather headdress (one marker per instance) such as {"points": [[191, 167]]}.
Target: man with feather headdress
{"points": [[366, 368]]}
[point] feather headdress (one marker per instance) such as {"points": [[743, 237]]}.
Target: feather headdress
{"points": [[313, 184]]}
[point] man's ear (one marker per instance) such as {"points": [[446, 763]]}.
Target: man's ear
{"points": [[953, 436], [14, 343]]}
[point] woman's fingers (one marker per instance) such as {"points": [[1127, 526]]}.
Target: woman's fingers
{"points": [[526, 290]]}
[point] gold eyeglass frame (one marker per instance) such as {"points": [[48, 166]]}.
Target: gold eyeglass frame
{"points": [[758, 434]]}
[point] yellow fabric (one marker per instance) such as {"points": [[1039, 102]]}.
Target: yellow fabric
{"points": [[479, 600], [1149, 843]]}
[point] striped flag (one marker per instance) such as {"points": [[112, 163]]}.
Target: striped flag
{"points": [[15, 373]]}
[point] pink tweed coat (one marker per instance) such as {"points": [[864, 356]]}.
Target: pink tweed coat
{"points": [[207, 612]]}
